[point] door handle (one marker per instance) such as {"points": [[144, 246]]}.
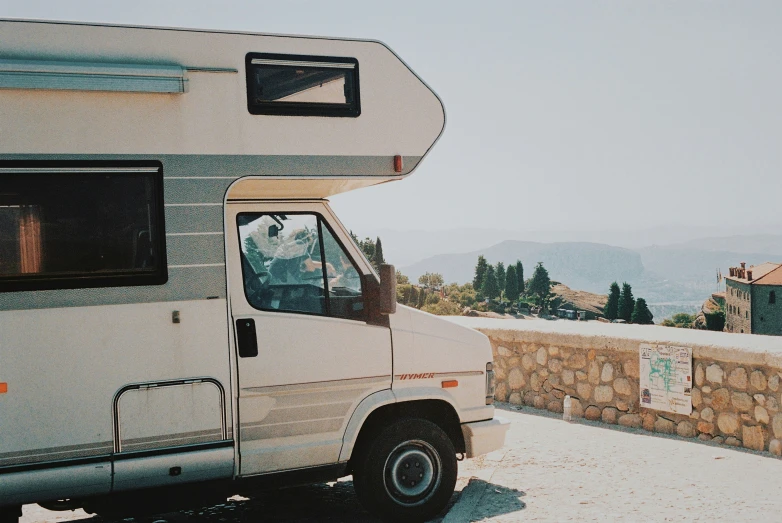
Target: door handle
{"points": [[246, 338]]}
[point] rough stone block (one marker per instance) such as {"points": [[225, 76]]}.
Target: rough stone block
{"points": [[760, 399], [775, 447], [543, 372], [568, 377], [728, 422], [539, 402], [738, 378], [594, 373], [607, 375], [706, 389], [773, 382], [609, 415], [776, 425], [515, 398], [705, 427], [554, 406], [733, 442], [758, 380], [584, 390], [704, 437], [622, 386], [558, 394], [699, 375], [718, 439], [664, 426], [707, 414], [622, 405], [555, 365], [714, 374], [694, 414], [753, 437], [685, 429], [630, 420], [591, 354], [648, 421], [696, 397], [576, 408], [742, 401], [527, 362], [547, 386], [592, 413], [535, 382], [576, 361], [772, 405], [553, 351], [581, 375], [604, 394], [631, 368], [503, 351], [529, 398], [516, 379], [761, 415], [720, 399], [542, 356]]}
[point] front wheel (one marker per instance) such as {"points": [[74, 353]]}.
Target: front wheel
{"points": [[407, 472]]}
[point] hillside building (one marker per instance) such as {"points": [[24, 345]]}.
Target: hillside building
{"points": [[752, 299]]}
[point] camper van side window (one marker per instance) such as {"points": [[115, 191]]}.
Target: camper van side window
{"points": [[80, 227], [297, 85], [293, 263]]}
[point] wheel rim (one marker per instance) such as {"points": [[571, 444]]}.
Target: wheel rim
{"points": [[412, 472]]}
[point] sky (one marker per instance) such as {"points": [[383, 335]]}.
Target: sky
{"points": [[562, 116]]}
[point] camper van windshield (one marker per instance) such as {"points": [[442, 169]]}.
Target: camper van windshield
{"points": [[72, 229]]}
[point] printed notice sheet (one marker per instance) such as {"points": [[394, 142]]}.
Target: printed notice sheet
{"points": [[666, 378]]}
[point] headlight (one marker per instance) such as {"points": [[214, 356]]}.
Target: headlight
{"points": [[489, 383]]}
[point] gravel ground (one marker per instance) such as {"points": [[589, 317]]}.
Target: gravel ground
{"points": [[549, 471]]}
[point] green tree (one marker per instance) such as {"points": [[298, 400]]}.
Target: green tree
{"points": [[499, 272], [612, 305], [511, 284], [480, 272], [715, 321], [401, 279], [431, 280], [641, 313], [520, 276], [491, 288], [377, 257], [540, 285], [626, 303]]}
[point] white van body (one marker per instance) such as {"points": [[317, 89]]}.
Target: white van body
{"points": [[117, 380]]}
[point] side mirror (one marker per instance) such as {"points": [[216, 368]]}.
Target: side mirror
{"points": [[387, 289], [273, 231]]}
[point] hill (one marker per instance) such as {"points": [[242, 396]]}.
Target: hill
{"points": [[587, 266]]}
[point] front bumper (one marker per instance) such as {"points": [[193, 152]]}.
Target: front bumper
{"points": [[482, 437]]}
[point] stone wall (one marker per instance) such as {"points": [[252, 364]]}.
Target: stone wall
{"points": [[735, 398]]}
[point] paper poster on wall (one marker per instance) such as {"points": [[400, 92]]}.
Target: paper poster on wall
{"points": [[666, 378]]}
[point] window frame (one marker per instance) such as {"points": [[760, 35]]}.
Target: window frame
{"points": [[348, 110], [321, 220], [87, 280]]}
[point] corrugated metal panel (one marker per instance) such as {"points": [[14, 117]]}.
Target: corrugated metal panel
{"points": [[85, 76]]}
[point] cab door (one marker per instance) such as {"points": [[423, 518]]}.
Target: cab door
{"points": [[308, 347]]}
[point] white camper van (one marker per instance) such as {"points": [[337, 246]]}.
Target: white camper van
{"points": [[182, 316]]}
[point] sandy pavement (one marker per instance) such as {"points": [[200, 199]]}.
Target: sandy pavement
{"points": [[551, 470]]}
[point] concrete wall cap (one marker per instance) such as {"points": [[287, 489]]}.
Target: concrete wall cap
{"points": [[750, 349]]}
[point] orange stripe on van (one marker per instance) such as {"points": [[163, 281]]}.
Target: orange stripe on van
{"points": [[3, 388], [450, 384]]}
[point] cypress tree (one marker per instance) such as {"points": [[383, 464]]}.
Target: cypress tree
{"points": [[612, 305], [421, 297], [377, 259], [626, 303], [490, 287], [511, 284], [641, 313], [499, 273], [480, 271], [540, 284], [520, 275]]}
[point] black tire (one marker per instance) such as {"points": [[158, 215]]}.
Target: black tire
{"points": [[381, 471], [10, 514]]}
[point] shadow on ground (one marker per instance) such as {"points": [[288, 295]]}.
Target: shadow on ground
{"points": [[327, 503]]}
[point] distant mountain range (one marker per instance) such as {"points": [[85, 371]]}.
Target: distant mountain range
{"points": [[673, 278]]}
